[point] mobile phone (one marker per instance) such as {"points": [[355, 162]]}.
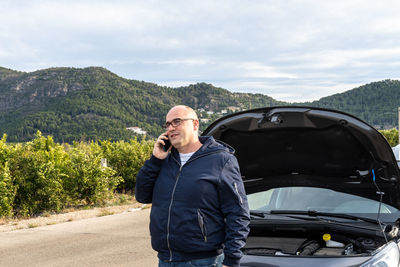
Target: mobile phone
{"points": [[167, 144]]}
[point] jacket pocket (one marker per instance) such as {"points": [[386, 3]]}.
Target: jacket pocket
{"points": [[202, 224]]}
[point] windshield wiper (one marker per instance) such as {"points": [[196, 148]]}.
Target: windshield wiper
{"points": [[257, 213], [314, 213], [262, 214]]}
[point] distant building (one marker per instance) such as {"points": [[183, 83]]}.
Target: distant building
{"points": [[210, 112], [136, 130], [233, 108], [224, 111], [204, 120]]}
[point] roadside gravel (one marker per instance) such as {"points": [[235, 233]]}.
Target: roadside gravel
{"points": [[17, 224]]}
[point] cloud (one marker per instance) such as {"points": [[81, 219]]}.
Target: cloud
{"points": [[287, 49], [300, 92], [258, 70], [344, 58]]}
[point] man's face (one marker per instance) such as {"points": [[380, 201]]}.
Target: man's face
{"points": [[186, 132]]}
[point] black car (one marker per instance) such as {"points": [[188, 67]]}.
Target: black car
{"points": [[322, 185]]}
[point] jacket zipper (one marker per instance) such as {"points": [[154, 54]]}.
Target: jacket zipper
{"points": [[169, 212], [173, 192], [237, 191]]}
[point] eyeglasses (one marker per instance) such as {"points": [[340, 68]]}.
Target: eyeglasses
{"points": [[176, 122]]}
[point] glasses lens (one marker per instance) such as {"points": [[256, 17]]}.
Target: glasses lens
{"points": [[176, 122]]}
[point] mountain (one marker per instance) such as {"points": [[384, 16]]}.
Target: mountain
{"points": [[376, 103], [94, 103]]}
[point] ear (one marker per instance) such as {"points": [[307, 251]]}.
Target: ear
{"points": [[196, 125]]}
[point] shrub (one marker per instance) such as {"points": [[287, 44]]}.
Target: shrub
{"points": [[89, 180], [42, 176], [39, 167], [392, 136], [127, 158], [7, 188], [7, 191]]}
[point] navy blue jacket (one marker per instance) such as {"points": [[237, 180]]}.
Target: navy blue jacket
{"points": [[200, 209]]}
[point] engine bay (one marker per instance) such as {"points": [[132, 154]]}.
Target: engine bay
{"points": [[264, 246], [317, 242]]}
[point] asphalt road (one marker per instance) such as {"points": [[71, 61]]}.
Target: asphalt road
{"points": [[115, 240]]}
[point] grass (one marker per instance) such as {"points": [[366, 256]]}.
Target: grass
{"points": [[46, 214], [32, 225], [105, 209], [118, 199], [105, 212]]}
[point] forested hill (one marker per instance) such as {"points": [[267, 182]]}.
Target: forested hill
{"points": [[94, 103], [375, 103]]}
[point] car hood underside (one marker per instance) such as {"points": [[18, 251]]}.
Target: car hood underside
{"points": [[304, 146]]}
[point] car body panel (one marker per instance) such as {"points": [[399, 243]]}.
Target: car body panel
{"points": [[285, 261]]}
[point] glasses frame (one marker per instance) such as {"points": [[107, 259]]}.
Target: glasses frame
{"points": [[176, 122]]}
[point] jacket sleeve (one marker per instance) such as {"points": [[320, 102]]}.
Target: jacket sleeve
{"points": [[235, 209], [146, 179]]}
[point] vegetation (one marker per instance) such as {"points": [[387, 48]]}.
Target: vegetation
{"points": [[392, 136], [376, 103], [43, 176], [95, 104], [91, 108]]}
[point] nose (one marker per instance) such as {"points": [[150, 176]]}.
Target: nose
{"points": [[169, 129]]}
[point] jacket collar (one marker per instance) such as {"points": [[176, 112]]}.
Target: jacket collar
{"points": [[210, 145]]}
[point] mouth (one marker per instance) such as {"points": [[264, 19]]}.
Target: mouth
{"points": [[172, 136]]}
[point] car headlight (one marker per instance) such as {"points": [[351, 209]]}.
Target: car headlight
{"points": [[389, 256]]}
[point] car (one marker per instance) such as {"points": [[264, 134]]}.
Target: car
{"points": [[322, 187]]}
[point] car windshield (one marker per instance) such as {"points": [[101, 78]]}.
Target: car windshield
{"points": [[319, 199]]}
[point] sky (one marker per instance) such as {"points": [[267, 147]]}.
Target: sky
{"points": [[290, 50]]}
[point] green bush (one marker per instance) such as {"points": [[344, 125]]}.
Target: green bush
{"points": [[39, 167], [89, 180], [7, 188], [7, 191], [43, 176], [127, 158], [392, 136]]}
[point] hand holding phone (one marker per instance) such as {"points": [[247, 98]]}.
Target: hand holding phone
{"points": [[167, 145], [160, 150]]}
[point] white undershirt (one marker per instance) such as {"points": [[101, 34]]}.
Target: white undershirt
{"points": [[185, 157]]}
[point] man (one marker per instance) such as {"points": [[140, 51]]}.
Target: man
{"points": [[199, 212]]}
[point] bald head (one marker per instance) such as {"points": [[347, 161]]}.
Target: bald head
{"points": [[186, 111]]}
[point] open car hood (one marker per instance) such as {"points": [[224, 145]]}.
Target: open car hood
{"points": [[307, 146]]}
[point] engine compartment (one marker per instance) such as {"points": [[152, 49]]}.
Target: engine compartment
{"points": [[264, 246], [321, 242]]}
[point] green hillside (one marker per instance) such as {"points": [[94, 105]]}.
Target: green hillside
{"points": [[375, 103], [93, 103]]}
